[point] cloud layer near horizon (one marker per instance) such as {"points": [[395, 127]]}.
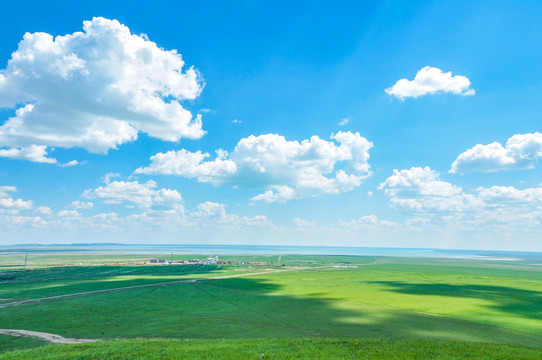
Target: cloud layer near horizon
{"points": [[420, 191]]}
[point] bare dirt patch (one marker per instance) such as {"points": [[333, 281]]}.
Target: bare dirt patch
{"points": [[45, 336]]}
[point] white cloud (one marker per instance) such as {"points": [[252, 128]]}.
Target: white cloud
{"points": [[210, 209], [286, 169], [10, 205], [344, 121], [520, 152], [18, 222], [190, 164], [6, 189], [94, 89], [509, 194], [304, 223], [71, 163], [15, 205], [279, 194], [160, 212], [236, 121], [422, 193], [70, 214], [144, 195], [35, 153], [419, 190], [43, 210], [430, 80], [366, 222], [423, 181], [213, 214], [83, 205], [107, 177]]}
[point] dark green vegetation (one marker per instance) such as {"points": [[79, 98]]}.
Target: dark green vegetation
{"points": [[392, 298], [280, 349], [43, 282]]}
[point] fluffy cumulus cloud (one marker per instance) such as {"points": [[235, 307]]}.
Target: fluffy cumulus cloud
{"points": [[94, 89], [509, 194], [419, 190], [430, 80], [8, 205], [520, 152], [285, 169], [35, 153], [210, 209], [191, 165], [143, 195]]}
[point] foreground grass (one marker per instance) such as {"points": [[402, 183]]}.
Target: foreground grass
{"points": [[20, 342], [433, 299], [237, 308], [279, 349], [456, 300]]}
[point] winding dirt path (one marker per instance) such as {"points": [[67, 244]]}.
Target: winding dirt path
{"points": [[57, 339]]}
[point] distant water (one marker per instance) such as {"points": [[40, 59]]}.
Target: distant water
{"points": [[268, 250]]}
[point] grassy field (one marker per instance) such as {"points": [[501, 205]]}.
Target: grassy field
{"points": [[14, 343], [399, 349], [374, 298]]}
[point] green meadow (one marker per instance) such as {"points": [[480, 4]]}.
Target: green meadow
{"points": [[449, 306], [280, 349]]}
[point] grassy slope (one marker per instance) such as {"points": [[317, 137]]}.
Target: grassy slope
{"points": [[279, 349], [20, 342], [44, 279], [494, 293], [322, 303], [43, 282]]}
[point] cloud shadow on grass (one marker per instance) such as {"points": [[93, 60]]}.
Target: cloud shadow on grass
{"points": [[525, 303], [237, 308]]}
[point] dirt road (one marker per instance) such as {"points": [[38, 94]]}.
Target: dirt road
{"points": [[44, 336]]}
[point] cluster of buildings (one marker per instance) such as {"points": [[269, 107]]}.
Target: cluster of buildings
{"points": [[208, 261]]}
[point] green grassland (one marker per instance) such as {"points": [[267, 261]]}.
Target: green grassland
{"points": [[402, 300], [20, 342], [397, 349]]}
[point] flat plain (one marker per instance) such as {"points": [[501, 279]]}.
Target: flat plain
{"points": [[406, 303]]}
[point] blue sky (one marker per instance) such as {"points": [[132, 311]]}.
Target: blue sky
{"points": [[362, 124]]}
